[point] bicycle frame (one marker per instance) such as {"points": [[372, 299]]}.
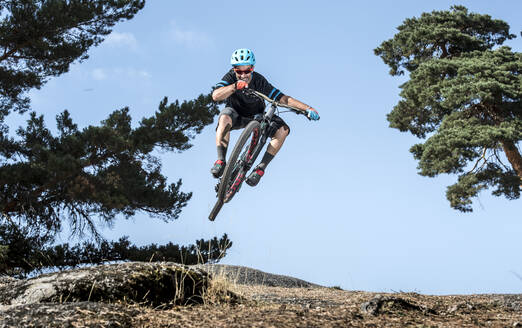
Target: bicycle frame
{"points": [[231, 182]]}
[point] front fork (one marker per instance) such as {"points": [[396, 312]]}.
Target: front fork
{"points": [[265, 131]]}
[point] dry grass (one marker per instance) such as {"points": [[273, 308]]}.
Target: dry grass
{"points": [[327, 307], [229, 304], [261, 306], [222, 291]]}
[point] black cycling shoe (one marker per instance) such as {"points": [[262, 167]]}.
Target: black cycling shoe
{"points": [[218, 168], [254, 177]]}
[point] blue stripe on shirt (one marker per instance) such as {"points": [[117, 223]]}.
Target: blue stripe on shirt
{"points": [[222, 84], [270, 95], [278, 93]]}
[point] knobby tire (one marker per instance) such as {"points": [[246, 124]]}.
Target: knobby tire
{"points": [[226, 182]]}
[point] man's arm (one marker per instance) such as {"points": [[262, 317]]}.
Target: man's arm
{"points": [[311, 113], [223, 93], [287, 100]]}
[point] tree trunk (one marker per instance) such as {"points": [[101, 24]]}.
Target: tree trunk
{"points": [[513, 157]]}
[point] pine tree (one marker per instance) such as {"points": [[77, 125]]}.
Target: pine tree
{"points": [[78, 174], [27, 254], [41, 38], [463, 97], [101, 170]]}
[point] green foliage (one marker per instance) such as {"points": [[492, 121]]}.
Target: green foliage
{"points": [[26, 255], [105, 170], [3, 255], [41, 38], [78, 174], [465, 95], [21, 244], [440, 34]]}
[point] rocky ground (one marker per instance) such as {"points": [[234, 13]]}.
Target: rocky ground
{"points": [[235, 298]]}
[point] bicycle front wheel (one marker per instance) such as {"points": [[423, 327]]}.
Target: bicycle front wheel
{"points": [[241, 156]]}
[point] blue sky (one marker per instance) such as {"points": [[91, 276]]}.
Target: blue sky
{"points": [[342, 204]]}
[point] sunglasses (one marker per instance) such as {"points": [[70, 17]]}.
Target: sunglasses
{"points": [[247, 71]]}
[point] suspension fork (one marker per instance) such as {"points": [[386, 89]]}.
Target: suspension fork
{"points": [[264, 132], [267, 119], [258, 148]]}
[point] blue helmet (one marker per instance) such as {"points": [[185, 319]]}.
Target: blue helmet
{"points": [[243, 57]]}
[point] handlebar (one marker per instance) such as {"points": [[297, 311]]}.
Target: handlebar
{"points": [[276, 103]]}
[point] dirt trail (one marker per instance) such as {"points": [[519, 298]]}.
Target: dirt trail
{"points": [[328, 307], [276, 306]]}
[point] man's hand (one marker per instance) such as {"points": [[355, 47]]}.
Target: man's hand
{"points": [[312, 114], [241, 85]]}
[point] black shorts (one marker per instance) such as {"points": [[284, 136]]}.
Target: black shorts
{"points": [[239, 122]]}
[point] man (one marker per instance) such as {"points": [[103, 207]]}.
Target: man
{"points": [[240, 109]]}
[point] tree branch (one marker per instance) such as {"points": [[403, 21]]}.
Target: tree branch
{"points": [[8, 54], [483, 157], [498, 159]]}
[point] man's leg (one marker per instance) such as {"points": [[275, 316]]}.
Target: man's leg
{"points": [[222, 138], [223, 135], [273, 147]]}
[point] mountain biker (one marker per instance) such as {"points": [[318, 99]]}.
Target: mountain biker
{"points": [[241, 108]]}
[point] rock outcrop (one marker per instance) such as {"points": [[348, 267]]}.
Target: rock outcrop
{"points": [[247, 276], [389, 304], [152, 284], [112, 295], [81, 314]]}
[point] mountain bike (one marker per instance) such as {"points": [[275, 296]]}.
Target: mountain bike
{"points": [[247, 148]]}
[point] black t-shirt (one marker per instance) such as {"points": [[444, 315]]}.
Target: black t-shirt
{"points": [[245, 104]]}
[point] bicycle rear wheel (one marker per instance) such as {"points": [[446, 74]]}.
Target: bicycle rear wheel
{"points": [[237, 164]]}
